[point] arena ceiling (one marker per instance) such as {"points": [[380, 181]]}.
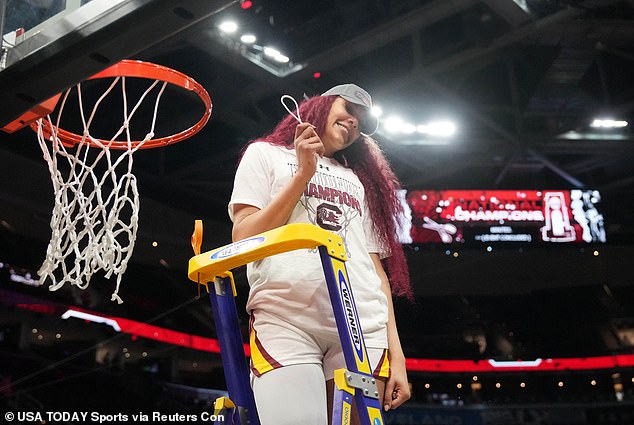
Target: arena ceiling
{"points": [[522, 80]]}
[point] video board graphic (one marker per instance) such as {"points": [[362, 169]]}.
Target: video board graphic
{"points": [[490, 216]]}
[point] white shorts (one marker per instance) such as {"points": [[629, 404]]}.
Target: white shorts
{"points": [[276, 343]]}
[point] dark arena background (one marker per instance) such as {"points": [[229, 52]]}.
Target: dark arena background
{"points": [[508, 123]]}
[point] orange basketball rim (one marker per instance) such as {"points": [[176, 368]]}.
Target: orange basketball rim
{"points": [[125, 68]]}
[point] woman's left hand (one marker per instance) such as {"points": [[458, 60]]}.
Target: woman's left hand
{"points": [[397, 389]]}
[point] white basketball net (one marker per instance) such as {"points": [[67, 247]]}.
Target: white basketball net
{"points": [[95, 217]]}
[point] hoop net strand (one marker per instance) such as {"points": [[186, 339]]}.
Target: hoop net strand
{"points": [[95, 216]]}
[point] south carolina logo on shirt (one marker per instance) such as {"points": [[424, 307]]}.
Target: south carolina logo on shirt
{"points": [[329, 217], [333, 201]]}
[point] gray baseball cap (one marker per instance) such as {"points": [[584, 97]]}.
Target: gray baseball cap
{"points": [[354, 94]]}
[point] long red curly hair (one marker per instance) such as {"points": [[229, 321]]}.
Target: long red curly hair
{"points": [[367, 161]]}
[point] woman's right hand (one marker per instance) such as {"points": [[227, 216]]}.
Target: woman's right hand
{"points": [[308, 147]]}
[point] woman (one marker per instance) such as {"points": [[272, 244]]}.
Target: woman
{"points": [[323, 171]]}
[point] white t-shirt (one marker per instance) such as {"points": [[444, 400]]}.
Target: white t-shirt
{"points": [[292, 285]]}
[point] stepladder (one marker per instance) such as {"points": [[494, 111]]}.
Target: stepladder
{"points": [[213, 270]]}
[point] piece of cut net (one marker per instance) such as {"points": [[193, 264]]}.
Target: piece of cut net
{"points": [[95, 217]]}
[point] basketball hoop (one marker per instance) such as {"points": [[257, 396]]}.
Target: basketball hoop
{"points": [[95, 218], [138, 69]]}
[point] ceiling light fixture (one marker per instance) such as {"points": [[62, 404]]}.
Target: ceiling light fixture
{"points": [[228, 27], [594, 135], [248, 38], [268, 58], [281, 58], [376, 111], [276, 55], [271, 52], [407, 128], [608, 123], [393, 124], [438, 128]]}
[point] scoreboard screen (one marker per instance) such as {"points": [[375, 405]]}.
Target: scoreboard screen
{"points": [[490, 216]]}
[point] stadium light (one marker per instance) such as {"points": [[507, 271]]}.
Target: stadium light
{"points": [[228, 27], [608, 123], [248, 38]]}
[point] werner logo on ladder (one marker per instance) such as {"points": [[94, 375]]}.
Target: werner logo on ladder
{"points": [[356, 381]]}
